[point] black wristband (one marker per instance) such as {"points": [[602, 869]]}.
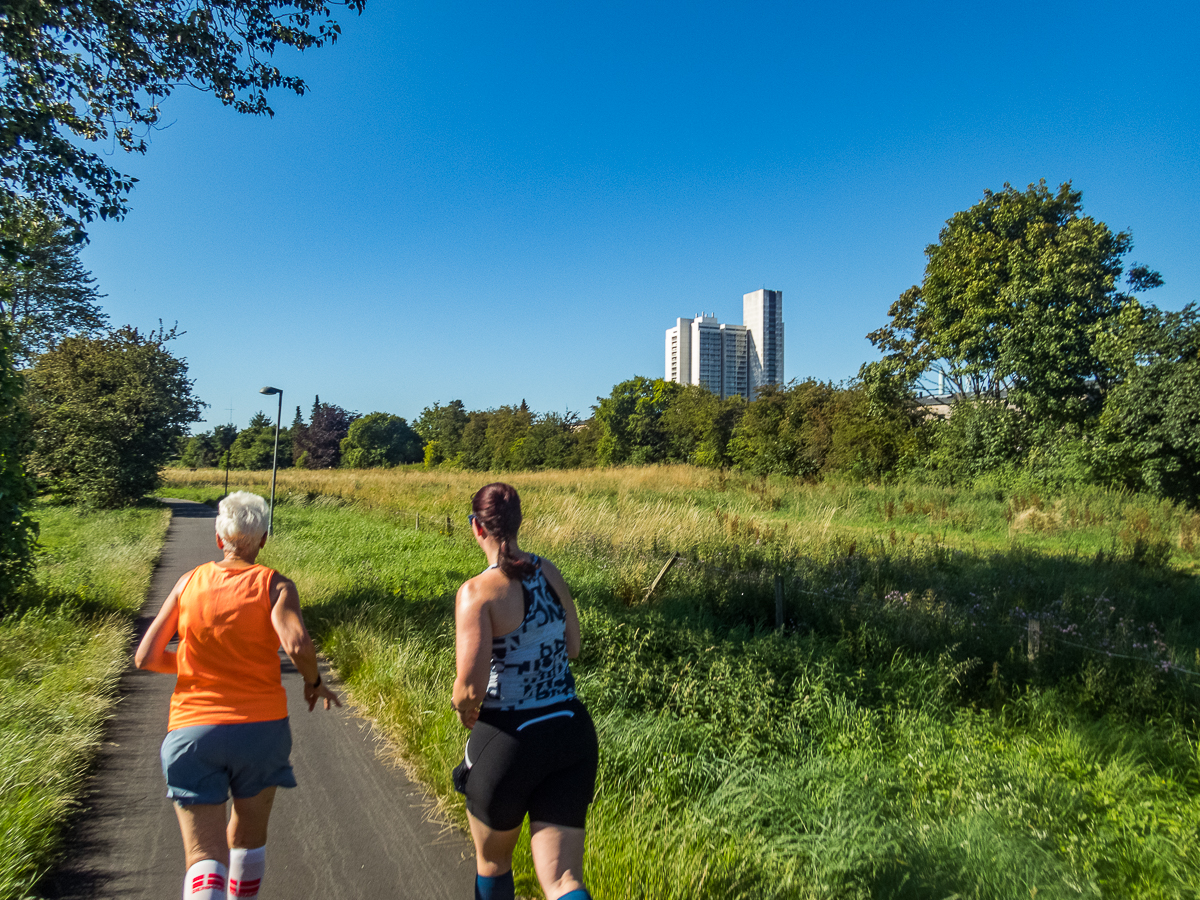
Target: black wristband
{"points": [[316, 684]]}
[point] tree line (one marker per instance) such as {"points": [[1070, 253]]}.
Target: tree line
{"points": [[1054, 369], [1050, 368]]}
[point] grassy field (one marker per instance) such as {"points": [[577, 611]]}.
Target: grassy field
{"points": [[974, 694], [63, 645]]}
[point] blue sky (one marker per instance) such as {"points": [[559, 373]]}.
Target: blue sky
{"points": [[504, 201]]}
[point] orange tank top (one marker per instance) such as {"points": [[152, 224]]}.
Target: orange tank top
{"points": [[228, 656]]}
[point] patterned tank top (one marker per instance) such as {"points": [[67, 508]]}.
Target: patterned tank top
{"points": [[529, 664]]}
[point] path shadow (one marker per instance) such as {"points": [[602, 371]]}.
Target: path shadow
{"points": [[188, 509]]}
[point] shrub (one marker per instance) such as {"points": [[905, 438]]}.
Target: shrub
{"points": [[107, 413], [379, 439]]}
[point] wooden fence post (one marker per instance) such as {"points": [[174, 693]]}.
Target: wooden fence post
{"points": [[779, 602], [661, 572], [418, 521], [1034, 639]]}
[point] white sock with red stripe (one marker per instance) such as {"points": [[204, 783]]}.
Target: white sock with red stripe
{"points": [[205, 881], [246, 868]]}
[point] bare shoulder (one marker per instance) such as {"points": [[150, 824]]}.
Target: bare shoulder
{"points": [[478, 591], [278, 578], [554, 576], [281, 586]]}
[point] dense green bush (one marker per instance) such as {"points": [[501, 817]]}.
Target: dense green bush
{"points": [[699, 426], [978, 436], [107, 413], [379, 439], [814, 428], [1150, 429]]}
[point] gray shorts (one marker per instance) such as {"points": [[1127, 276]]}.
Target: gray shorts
{"points": [[205, 763]]}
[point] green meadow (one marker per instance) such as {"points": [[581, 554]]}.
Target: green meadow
{"points": [[63, 644], [975, 693]]}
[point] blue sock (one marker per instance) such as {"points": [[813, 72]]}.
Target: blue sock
{"points": [[498, 888], [579, 894]]}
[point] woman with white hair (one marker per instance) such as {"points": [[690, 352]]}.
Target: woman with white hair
{"points": [[228, 728]]}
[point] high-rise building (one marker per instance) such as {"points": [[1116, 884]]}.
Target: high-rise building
{"points": [[730, 360], [707, 353], [762, 313], [679, 352]]}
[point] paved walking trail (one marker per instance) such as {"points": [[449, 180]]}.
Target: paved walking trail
{"points": [[355, 827]]}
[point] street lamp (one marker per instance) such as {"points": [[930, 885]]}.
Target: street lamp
{"points": [[275, 456]]}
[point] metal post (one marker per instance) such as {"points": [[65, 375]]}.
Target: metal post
{"points": [[275, 466]]}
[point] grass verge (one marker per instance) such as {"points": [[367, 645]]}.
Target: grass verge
{"points": [[63, 644]]}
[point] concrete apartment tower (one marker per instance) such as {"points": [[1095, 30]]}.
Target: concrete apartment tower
{"points": [[730, 360], [762, 314], [679, 352]]}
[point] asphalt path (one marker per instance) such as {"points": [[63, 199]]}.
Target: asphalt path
{"points": [[356, 827]]}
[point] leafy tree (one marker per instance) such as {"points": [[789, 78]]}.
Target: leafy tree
{"points": [[1150, 429], [474, 450], [207, 450], [18, 531], [91, 72], [631, 421], [379, 439], [106, 414], [786, 430], [49, 293], [506, 434], [254, 446], [319, 444], [872, 439], [699, 425], [1017, 292], [978, 437], [492, 439], [441, 428], [551, 443]]}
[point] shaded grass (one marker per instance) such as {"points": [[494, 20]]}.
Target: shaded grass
{"points": [[63, 645], [897, 739]]}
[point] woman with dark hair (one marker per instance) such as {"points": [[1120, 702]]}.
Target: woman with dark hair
{"points": [[532, 748]]}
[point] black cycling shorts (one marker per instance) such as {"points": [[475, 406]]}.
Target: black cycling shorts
{"points": [[539, 761]]}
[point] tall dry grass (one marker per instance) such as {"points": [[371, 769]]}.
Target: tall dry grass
{"points": [[658, 510], [653, 507]]}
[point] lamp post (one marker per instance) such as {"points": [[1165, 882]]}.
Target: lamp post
{"points": [[275, 456]]}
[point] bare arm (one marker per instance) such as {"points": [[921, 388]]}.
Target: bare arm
{"points": [[472, 652], [568, 602], [296, 642], [152, 653]]}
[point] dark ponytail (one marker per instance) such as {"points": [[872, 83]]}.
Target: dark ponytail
{"points": [[498, 509]]}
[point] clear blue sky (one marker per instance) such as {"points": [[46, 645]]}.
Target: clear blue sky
{"points": [[505, 201]]}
